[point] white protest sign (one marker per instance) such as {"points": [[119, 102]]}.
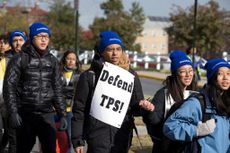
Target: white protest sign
{"points": [[112, 95]]}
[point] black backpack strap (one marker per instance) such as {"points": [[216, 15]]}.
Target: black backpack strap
{"points": [[205, 104], [24, 63], [24, 60], [92, 80], [207, 107]]}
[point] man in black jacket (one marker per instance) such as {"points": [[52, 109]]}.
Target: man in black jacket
{"points": [[16, 40], [103, 137], [32, 91]]}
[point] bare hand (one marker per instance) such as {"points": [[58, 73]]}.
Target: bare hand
{"points": [[147, 105], [79, 149]]}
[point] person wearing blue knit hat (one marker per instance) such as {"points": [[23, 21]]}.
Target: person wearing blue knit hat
{"points": [[17, 35], [102, 137], [177, 87], [178, 58], [37, 28], [16, 40], [209, 124], [212, 67], [108, 38], [33, 94]]}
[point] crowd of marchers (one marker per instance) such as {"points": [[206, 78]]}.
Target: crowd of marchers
{"points": [[74, 111]]}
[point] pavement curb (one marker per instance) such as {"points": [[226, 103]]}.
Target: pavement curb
{"points": [[150, 77]]}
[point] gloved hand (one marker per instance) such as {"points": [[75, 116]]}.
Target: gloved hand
{"points": [[63, 124], [206, 128], [15, 120]]}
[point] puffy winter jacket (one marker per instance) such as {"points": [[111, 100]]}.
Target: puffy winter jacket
{"points": [[33, 83], [182, 125]]}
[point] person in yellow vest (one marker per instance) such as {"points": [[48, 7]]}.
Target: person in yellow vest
{"points": [[71, 69]]}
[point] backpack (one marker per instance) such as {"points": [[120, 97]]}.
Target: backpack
{"points": [[174, 146]]}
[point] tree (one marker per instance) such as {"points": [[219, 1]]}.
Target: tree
{"points": [[61, 18], [211, 29], [128, 24], [8, 22]]}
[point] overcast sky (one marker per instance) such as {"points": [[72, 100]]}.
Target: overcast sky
{"points": [[88, 9]]}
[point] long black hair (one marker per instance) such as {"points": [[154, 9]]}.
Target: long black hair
{"points": [[176, 88], [219, 98]]}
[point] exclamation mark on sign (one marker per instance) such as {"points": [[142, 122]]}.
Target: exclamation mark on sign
{"points": [[121, 107]]}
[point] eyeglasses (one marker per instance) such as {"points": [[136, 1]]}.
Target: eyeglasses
{"points": [[185, 72], [40, 37]]}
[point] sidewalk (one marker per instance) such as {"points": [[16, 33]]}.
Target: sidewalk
{"points": [[155, 75], [162, 76]]}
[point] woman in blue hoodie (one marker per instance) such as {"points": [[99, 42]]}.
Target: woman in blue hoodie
{"points": [[185, 123]]}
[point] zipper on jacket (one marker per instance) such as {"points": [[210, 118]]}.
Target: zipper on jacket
{"points": [[40, 80]]}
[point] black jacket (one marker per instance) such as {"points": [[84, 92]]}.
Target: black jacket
{"points": [[85, 127], [154, 120], [69, 89], [33, 83]]}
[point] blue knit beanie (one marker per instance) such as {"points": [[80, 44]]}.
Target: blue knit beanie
{"points": [[38, 27], [213, 65], [179, 58], [16, 33], [108, 38]]}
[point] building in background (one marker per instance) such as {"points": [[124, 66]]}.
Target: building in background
{"points": [[33, 13], [154, 38]]}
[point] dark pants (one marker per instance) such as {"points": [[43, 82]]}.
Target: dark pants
{"points": [[110, 139], [69, 117], [9, 136], [1, 131], [33, 125]]}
